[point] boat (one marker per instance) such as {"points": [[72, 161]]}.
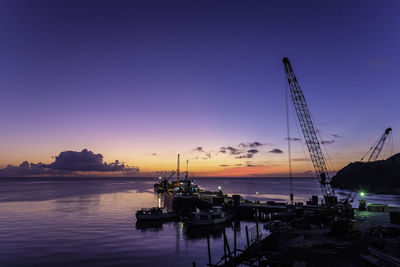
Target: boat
{"points": [[209, 217], [154, 214], [182, 195], [164, 184]]}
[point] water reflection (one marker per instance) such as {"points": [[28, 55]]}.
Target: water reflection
{"points": [[149, 226], [76, 204], [179, 234], [201, 232], [159, 200], [65, 222]]}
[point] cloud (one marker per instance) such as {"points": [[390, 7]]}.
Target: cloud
{"points": [[337, 136], [199, 149], [249, 154], [251, 144], [154, 154], [328, 142], [251, 164], [299, 159], [69, 162], [238, 164], [276, 151], [223, 165], [230, 150], [27, 169], [243, 151], [84, 161], [293, 139]]}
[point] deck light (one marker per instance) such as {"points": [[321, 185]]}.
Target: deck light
{"points": [[219, 188]]}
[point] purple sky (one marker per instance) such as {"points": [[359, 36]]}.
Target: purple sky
{"points": [[131, 78]]}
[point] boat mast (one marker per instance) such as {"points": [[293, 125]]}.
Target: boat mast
{"points": [[177, 170], [187, 170]]}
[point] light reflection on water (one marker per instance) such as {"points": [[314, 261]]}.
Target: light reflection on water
{"points": [[91, 221]]}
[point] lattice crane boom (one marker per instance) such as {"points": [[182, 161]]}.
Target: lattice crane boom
{"points": [[378, 147], [309, 132]]}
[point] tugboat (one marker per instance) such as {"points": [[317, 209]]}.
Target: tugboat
{"points": [[154, 214], [204, 218]]}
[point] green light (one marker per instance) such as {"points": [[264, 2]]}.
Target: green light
{"points": [[362, 194]]}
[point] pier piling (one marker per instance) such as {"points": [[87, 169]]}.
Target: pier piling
{"points": [[209, 251], [247, 236]]}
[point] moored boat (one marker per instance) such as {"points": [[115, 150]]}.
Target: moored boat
{"points": [[183, 195], [210, 217], [164, 184], [154, 214]]}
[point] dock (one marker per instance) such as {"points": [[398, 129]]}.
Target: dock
{"points": [[298, 234]]}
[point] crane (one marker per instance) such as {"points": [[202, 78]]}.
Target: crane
{"points": [[310, 134], [377, 147]]}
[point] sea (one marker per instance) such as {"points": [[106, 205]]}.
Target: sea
{"points": [[91, 221]]}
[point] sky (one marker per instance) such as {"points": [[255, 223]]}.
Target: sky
{"points": [[141, 81]]}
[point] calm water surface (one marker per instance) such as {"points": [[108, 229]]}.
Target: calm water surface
{"points": [[89, 221]]}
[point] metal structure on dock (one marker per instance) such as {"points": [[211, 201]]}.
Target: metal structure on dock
{"points": [[309, 132]]}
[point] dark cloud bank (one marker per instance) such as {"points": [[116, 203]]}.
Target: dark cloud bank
{"points": [[69, 163]]}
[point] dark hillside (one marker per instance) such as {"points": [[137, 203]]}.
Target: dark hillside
{"points": [[382, 176]]}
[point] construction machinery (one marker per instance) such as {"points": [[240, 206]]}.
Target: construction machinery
{"points": [[309, 132], [332, 210], [377, 147]]}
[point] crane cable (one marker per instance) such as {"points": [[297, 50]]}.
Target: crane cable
{"points": [[370, 149], [288, 139], [391, 144]]}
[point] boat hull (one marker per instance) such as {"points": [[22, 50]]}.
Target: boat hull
{"points": [[180, 203], [156, 217], [206, 222]]}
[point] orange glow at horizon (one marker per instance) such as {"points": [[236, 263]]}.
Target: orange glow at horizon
{"points": [[150, 161]]}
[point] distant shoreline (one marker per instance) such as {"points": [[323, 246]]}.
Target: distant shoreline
{"points": [[143, 177]]}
